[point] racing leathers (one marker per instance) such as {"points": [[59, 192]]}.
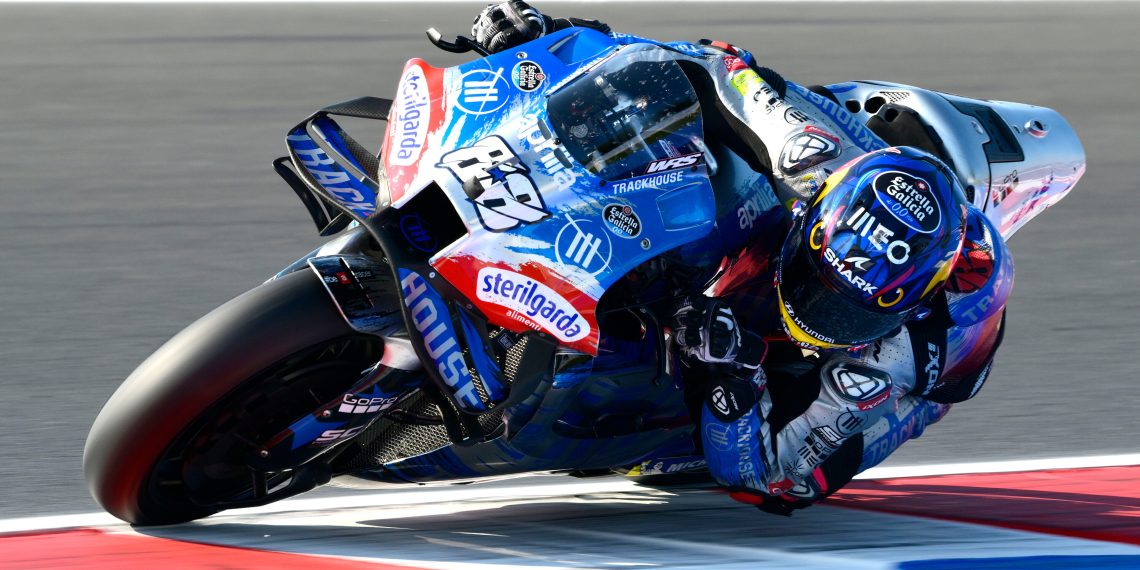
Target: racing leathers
{"points": [[795, 429]]}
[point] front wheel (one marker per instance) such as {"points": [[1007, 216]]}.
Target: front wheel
{"points": [[175, 441]]}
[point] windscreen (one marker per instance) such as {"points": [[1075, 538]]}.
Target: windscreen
{"points": [[633, 109]]}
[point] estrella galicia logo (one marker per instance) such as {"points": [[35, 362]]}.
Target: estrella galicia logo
{"points": [[482, 91], [412, 226], [622, 220], [432, 320], [583, 244], [910, 200], [527, 76], [532, 302]]}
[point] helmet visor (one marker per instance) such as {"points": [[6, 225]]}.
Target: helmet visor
{"points": [[817, 315]]}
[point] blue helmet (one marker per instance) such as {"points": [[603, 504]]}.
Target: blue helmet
{"points": [[878, 239]]}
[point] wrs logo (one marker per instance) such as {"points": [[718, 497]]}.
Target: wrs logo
{"points": [[672, 163], [532, 301]]}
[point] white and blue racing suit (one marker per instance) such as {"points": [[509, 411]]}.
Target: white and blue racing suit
{"points": [[869, 401]]}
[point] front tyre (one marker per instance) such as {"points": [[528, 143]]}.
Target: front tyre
{"points": [[173, 442]]}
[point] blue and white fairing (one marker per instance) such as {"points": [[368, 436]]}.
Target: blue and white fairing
{"points": [[569, 160]]}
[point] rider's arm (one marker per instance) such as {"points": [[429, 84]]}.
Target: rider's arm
{"points": [[508, 24]]}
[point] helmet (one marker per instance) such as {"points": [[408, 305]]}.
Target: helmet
{"points": [[877, 240]]}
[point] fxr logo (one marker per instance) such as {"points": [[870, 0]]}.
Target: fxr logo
{"points": [[932, 364], [671, 163]]}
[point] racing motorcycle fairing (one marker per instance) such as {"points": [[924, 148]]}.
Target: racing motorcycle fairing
{"points": [[330, 171], [1014, 160], [568, 164]]}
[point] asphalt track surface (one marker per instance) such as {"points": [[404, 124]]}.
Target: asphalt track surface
{"points": [[136, 192]]}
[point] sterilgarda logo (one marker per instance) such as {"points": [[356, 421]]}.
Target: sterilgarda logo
{"points": [[532, 302], [909, 199], [412, 116]]}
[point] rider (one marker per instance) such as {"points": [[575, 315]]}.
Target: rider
{"points": [[888, 294]]}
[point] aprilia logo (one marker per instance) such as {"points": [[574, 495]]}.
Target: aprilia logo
{"points": [[671, 163]]}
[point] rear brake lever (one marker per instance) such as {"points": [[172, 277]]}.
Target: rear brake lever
{"points": [[462, 44]]}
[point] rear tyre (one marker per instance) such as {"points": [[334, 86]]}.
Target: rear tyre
{"points": [[174, 442]]}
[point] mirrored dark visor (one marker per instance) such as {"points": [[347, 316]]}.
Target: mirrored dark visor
{"points": [[824, 314]]}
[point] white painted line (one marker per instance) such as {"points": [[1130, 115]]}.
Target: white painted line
{"points": [[410, 495], [57, 522], [565, 487], [1001, 466]]}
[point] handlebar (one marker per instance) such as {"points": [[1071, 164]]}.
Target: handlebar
{"points": [[461, 44]]}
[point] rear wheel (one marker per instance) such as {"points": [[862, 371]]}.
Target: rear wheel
{"points": [[178, 440]]}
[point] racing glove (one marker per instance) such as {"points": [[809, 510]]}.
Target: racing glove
{"points": [[509, 24], [706, 330], [506, 25]]}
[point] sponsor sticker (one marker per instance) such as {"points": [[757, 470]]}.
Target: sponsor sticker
{"points": [[412, 226], [719, 436], [581, 243], [532, 302], [334, 435], [808, 149], [432, 320], [553, 160], [865, 387], [622, 220], [482, 91], [848, 267], [365, 403], [733, 64], [867, 225], [719, 401], [851, 125], [672, 163], [848, 423], [759, 202], [910, 200], [1007, 185], [655, 181], [527, 76], [412, 116], [794, 116]]}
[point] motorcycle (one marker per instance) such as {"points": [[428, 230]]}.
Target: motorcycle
{"points": [[491, 303]]}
